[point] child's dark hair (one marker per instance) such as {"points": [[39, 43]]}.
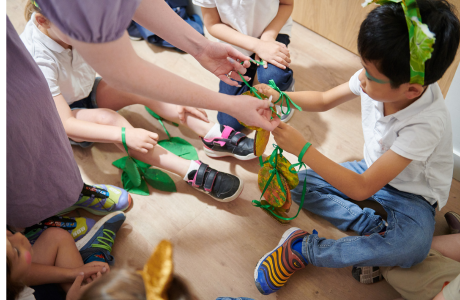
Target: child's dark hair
{"points": [[13, 289], [127, 284], [384, 40]]}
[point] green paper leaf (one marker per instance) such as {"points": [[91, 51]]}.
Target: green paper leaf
{"points": [[141, 189], [160, 180], [133, 172], [180, 147], [141, 164], [120, 163]]}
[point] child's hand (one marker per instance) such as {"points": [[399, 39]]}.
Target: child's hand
{"points": [[140, 139], [78, 287], [267, 91], [91, 269], [273, 52], [197, 112], [289, 139]]}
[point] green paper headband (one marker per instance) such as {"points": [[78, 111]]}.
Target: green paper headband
{"points": [[34, 3], [421, 39]]}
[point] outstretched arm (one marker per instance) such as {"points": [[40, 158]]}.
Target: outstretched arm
{"points": [[356, 186]]}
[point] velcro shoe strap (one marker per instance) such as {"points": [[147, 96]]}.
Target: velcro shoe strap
{"points": [[237, 137], [212, 175], [199, 178]]}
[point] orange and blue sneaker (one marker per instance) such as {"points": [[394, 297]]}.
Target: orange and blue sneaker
{"points": [[102, 199], [97, 244], [274, 268]]}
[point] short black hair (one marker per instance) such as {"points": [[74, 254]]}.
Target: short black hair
{"points": [[383, 39]]}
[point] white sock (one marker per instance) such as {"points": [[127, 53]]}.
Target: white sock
{"points": [[193, 166], [214, 132]]}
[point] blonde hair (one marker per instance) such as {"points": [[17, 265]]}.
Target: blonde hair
{"points": [[30, 9], [127, 284]]}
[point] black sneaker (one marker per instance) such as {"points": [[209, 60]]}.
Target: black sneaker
{"points": [[221, 186], [133, 32], [367, 275], [230, 143]]}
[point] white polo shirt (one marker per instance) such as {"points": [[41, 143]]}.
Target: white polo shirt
{"points": [[421, 132], [65, 70], [250, 17]]}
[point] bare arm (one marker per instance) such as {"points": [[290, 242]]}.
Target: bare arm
{"points": [[356, 186], [83, 130], [284, 12], [314, 101], [43, 274]]}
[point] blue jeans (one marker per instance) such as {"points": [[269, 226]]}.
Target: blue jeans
{"points": [[282, 78], [407, 238]]}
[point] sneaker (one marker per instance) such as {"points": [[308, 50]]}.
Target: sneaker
{"points": [[97, 244], [367, 275], [221, 186], [101, 199], [286, 117], [230, 143], [133, 32], [77, 227], [274, 268], [453, 220]]}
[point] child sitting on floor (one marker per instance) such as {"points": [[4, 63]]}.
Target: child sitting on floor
{"points": [[87, 107], [257, 28], [407, 165], [55, 258]]}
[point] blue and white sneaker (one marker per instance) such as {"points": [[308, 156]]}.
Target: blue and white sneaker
{"points": [[97, 244]]}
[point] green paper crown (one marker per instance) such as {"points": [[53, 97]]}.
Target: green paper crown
{"points": [[421, 39]]}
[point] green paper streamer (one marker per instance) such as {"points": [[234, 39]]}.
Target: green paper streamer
{"points": [[283, 98], [160, 180], [141, 189], [133, 172], [180, 147], [160, 119]]}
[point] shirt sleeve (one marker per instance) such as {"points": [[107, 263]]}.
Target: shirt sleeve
{"points": [[417, 141], [90, 21], [354, 84], [452, 290], [205, 3]]}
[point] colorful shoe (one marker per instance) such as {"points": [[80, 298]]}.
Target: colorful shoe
{"points": [[97, 244], [77, 227], [230, 143], [274, 268], [101, 199], [453, 220], [219, 185]]}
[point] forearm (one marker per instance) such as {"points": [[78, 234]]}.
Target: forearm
{"points": [[177, 32], [273, 29], [227, 34], [309, 100], [44, 274], [81, 130]]}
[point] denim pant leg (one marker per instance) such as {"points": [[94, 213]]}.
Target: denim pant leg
{"points": [[406, 242], [282, 78], [226, 119], [324, 200]]}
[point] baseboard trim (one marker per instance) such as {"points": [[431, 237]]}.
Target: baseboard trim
{"points": [[457, 165]]}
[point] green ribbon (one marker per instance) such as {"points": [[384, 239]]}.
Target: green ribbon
{"points": [[273, 160], [284, 98], [123, 139]]}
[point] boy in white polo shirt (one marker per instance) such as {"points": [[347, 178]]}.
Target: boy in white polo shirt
{"points": [[408, 163]]}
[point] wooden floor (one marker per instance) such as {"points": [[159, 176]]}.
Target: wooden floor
{"points": [[217, 245]]}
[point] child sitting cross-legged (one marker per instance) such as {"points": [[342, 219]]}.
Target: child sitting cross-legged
{"points": [[87, 106], [407, 165]]}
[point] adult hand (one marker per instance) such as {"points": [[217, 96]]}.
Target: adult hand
{"points": [[254, 112], [140, 139], [289, 139], [220, 59], [273, 52], [197, 112]]}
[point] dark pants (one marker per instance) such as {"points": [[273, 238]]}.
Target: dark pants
{"points": [[282, 78]]}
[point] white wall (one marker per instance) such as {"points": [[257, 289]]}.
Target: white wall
{"points": [[453, 104]]}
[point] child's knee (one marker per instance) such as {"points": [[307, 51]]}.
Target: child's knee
{"points": [[108, 117], [282, 78], [410, 252], [55, 235]]}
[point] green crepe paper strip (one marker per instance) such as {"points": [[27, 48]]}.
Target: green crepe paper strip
{"points": [[421, 39], [176, 145], [273, 160], [136, 174], [283, 98]]}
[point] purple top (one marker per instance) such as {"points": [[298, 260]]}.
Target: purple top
{"points": [[91, 21], [42, 175]]}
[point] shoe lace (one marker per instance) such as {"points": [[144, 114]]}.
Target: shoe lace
{"points": [[101, 239]]}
